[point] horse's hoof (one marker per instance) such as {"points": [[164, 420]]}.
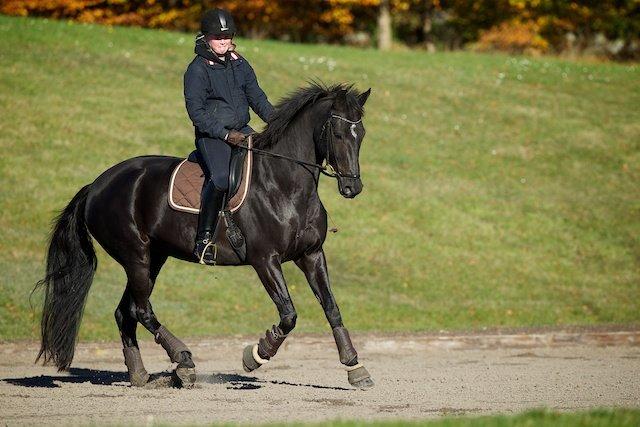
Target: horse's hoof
{"points": [[365, 384], [360, 378], [187, 376], [249, 362], [139, 378]]}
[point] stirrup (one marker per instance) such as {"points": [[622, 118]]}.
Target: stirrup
{"points": [[202, 254]]}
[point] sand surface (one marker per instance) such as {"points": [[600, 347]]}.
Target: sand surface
{"points": [[417, 376]]}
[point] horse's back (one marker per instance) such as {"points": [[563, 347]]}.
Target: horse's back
{"points": [[127, 174], [127, 193]]}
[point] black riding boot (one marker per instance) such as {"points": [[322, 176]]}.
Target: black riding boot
{"points": [[210, 206]]}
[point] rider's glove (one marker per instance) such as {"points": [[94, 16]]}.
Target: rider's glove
{"points": [[235, 138]]}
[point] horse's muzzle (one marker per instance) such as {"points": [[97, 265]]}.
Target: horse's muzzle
{"points": [[349, 187]]}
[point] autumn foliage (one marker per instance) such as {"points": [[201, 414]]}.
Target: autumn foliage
{"points": [[529, 26], [294, 19], [514, 36]]}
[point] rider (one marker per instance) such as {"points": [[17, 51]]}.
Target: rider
{"points": [[219, 88]]}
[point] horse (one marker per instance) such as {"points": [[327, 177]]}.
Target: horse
{"points": [[283, 219]]}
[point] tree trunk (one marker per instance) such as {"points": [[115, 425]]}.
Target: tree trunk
{"points": [[384, 26], [424, 36]]}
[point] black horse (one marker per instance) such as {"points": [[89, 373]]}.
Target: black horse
{"points": [[125, 209]]}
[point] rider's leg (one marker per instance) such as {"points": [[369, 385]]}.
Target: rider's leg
{"points": [[215, 155]]}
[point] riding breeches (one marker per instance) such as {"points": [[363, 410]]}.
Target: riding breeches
{"points": [[215, 156]]}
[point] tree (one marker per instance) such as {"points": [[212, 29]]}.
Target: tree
{"points": [[384, 26]]}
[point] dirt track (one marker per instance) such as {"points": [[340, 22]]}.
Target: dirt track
{"points": [[417, 376]]}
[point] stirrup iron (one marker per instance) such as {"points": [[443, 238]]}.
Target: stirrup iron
{"points": [[208, 243]]}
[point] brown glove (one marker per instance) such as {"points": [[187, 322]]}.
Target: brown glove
{"points": [[235, 137]]}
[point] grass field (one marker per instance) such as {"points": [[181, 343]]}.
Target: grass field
{"points": [[537, 418], [499, 191]]}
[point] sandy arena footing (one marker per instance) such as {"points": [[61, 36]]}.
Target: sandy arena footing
{"points": [[417, 376]]}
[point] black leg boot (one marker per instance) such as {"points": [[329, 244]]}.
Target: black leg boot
{"points": [[210, 206]]}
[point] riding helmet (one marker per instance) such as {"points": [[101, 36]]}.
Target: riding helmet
{"points": [[217, 22]]}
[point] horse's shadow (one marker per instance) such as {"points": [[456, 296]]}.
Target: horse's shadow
{"points": [[75, 375], [243, 382], [158, 380]]}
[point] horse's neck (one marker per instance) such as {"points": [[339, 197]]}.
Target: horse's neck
{"points": [[297, 143]]}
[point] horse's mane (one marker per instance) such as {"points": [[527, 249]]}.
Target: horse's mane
{"points": [[287, 109]]}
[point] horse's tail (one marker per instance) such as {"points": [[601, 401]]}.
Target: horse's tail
{"points": [[71, 263]]}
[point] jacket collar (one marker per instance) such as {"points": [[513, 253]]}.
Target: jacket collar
{"points": [[203, 50]]}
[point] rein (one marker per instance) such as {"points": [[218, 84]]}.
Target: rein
{"points": [[327, 169], [323, 169]]}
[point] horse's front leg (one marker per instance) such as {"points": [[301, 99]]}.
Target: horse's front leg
{"points": [[314, 266], [270, 273]]}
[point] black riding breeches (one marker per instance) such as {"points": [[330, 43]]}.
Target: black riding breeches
{"points": [[216, 156]]}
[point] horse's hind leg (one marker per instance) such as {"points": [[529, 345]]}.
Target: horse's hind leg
{"points": [[314, 266], [127, 323], [125, 315], [141, 278], [270, 274]]}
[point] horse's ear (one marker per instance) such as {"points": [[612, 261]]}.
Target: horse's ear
{"points": [[362, 98]]}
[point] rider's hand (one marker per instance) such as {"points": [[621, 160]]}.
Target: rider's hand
{"points": [[235, 137]]}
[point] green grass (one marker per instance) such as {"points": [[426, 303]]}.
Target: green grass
{"points": [[499, 191], [537, 418]]}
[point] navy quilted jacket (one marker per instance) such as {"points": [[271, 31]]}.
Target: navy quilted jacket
{"points": [[218, 93]]}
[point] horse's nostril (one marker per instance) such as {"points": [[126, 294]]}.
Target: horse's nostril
{"points": [[348, 191]]}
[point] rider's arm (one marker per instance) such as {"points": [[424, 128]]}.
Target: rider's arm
{"points": [[195, 96], [256, 96]]}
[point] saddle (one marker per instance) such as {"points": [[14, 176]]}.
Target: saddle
{"points": [[187, 179]]}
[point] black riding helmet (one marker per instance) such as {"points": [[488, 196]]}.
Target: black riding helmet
{"points": [[217, 22]]}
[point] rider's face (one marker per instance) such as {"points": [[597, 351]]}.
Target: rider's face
{"points": [[219, 44]]}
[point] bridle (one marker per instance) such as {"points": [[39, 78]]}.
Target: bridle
{"points": [[327, 128], [325, 169]]}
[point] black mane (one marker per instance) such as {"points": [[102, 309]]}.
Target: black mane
{"points": [[287, 109]]}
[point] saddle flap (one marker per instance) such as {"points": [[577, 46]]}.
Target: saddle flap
{"points": [[236, 169]]}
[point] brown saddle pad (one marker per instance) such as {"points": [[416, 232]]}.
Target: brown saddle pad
{"points": [[186, 185]]}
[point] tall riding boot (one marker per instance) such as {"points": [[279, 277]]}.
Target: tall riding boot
{"points": [[210, 206]]}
